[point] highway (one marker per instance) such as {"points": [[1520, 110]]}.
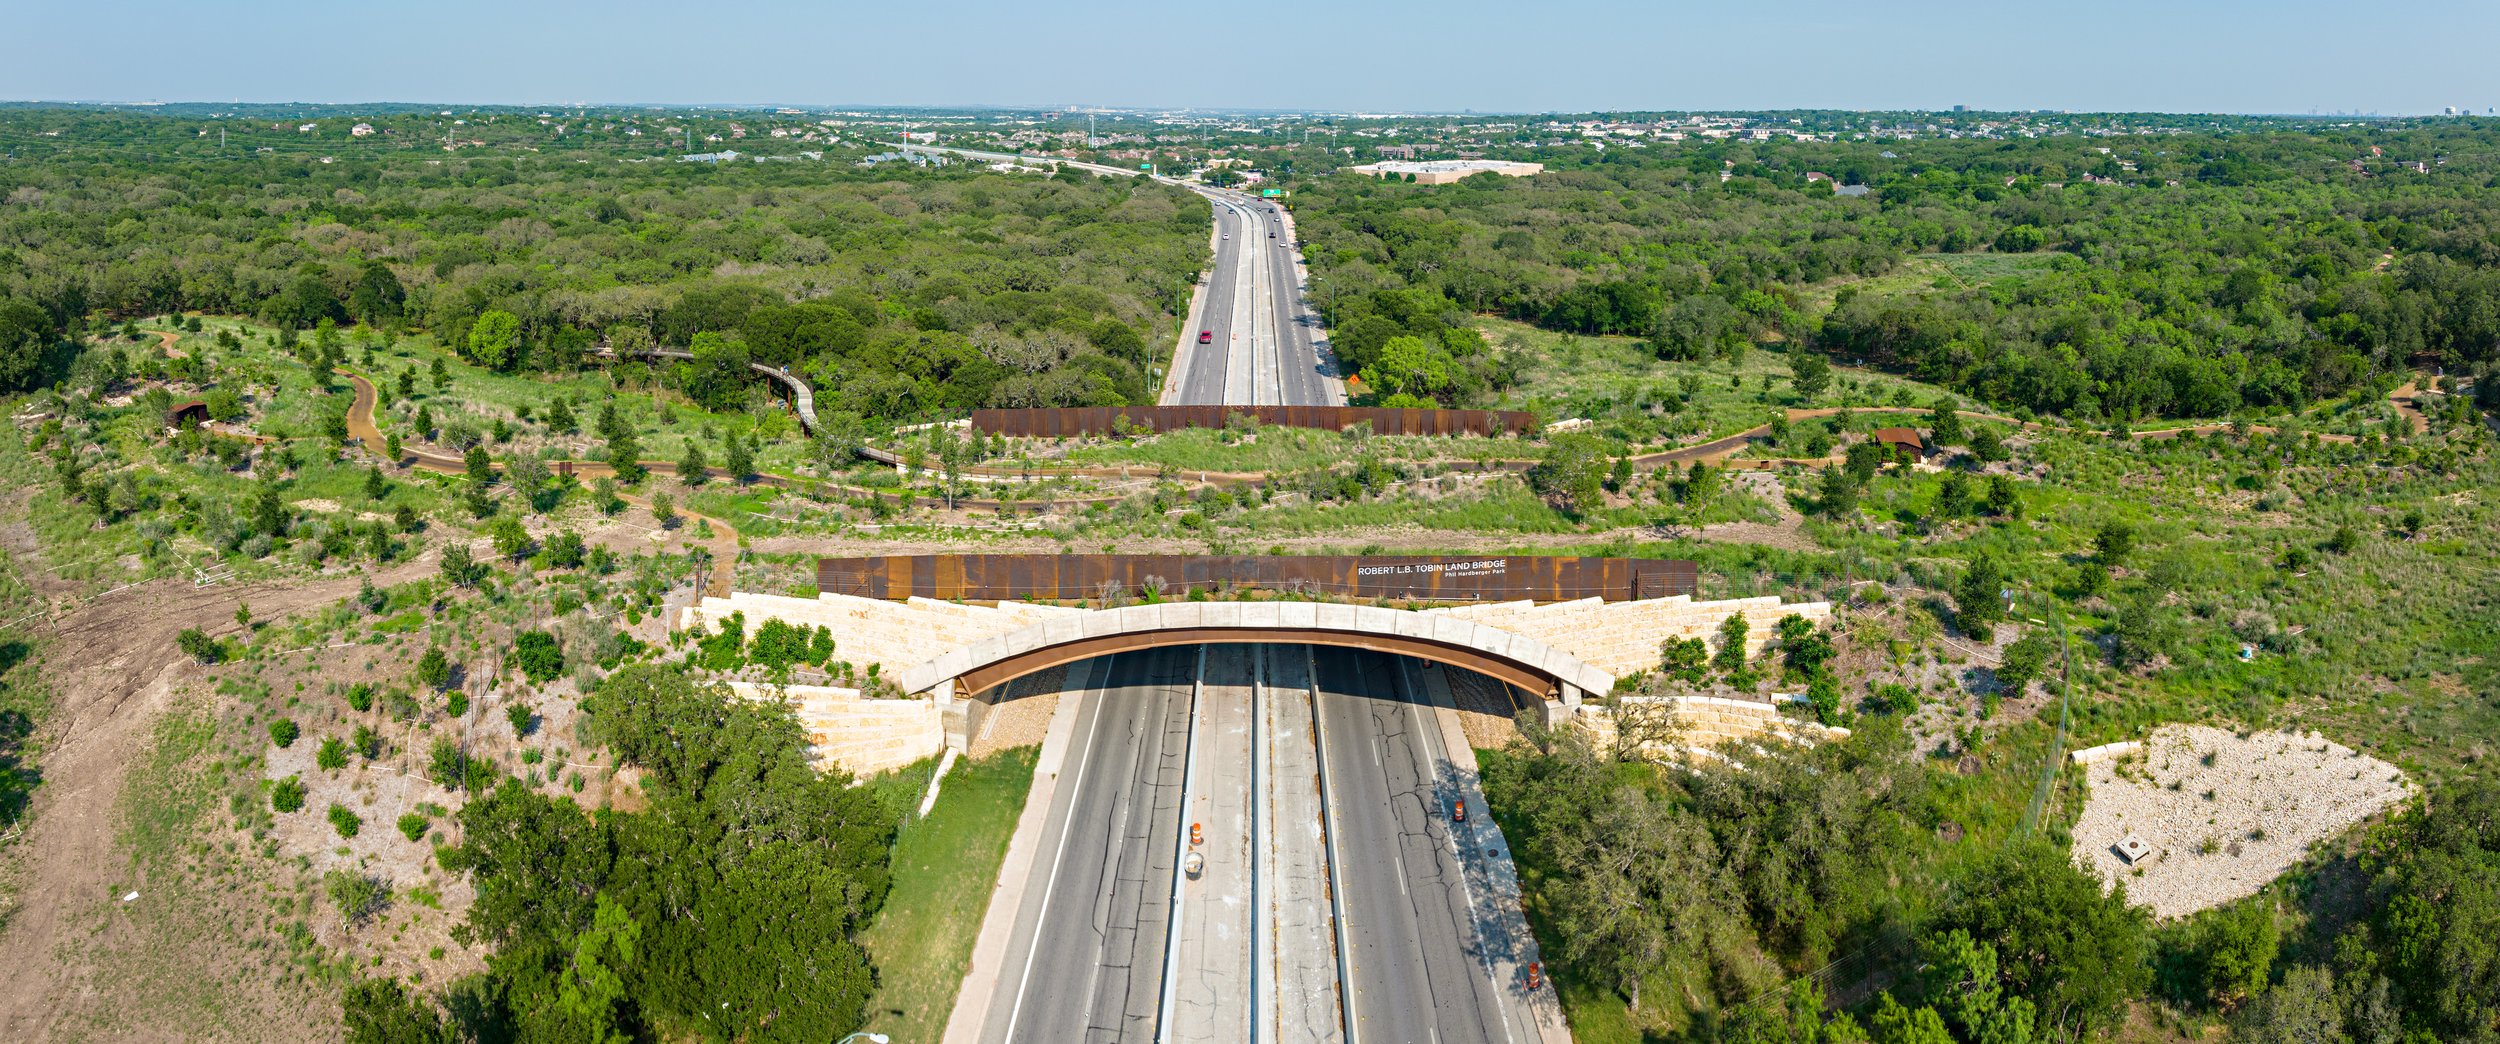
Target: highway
{"points": [[1262, 345], [1086, 960], [1335, 899], [1414, 937]]}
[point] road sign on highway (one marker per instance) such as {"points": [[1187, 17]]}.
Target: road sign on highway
{"points": [[1271, 192]]}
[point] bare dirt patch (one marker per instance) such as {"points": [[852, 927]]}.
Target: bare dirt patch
{"points": [[2224, 813], [114, 669]]}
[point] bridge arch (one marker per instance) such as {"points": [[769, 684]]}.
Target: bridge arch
{"points": [[1520, 660]]}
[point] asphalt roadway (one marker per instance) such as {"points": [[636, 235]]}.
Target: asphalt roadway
{"points": [[1303, 375], [1086, 960], [1262, 349], [1424, 957], [1415, 960]]}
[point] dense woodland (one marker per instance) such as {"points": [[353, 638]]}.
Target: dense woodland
{"points": [[1839, 865], [903, 292], [603, 929], [2195, 276]]}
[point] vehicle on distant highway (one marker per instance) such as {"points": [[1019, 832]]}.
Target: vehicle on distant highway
{"points": [[1206, 337]]}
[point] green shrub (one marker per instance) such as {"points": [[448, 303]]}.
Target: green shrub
{"points": [[434, 669], [1894, 698], [414, 826], [332, 756], [1731, 655], [286, 795], [283, 732], [538, 657], [347, 823], [197, 645], [356, 896], [446, 765]]}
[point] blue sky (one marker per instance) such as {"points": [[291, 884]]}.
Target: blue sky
{"points": [[2181, 55]]}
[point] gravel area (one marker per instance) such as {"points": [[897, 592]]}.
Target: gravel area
{"points": [[1022, 716], [1485, 709], [2221, 814]]}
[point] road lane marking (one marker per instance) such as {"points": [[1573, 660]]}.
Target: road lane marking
{"points": [[1180, 855], [1059, 858]]}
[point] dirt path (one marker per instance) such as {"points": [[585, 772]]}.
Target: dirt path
{"points": [[2407, 401], [114, 669]]}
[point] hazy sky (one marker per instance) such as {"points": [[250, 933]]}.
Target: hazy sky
{"points": [[2172, 55]]}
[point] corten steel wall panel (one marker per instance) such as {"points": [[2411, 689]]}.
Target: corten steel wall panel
{"points": [[1098, 420], [1440, 578]]}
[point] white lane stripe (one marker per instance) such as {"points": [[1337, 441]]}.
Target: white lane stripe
{"points": [[1058, 859], [1180, 853]]}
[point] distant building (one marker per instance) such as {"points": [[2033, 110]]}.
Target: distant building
{"points": [[1849, 190], [723, 156], [1405, 152], [917, 159], [1443, 172], [361, 130]]}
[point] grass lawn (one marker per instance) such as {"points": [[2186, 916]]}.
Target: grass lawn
{"points": [[1617, 382], [944, 868]]}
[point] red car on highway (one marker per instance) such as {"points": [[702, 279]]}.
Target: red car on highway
{"points": [[1206, 337]]}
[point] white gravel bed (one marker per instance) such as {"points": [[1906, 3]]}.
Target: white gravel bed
{"points": [[2223, 814]]}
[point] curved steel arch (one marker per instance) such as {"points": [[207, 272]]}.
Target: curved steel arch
{"points": [[1514, 658]]}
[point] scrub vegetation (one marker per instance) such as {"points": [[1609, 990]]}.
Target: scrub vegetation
{"points": [[2198, 431]]}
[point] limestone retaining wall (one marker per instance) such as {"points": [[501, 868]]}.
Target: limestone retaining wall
{"points": [[894, 635], [861, 735], [1710, 722], [1623, 637], [1587, 643]]}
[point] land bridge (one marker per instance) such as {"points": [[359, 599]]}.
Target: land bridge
{"points": [[955, 656]]}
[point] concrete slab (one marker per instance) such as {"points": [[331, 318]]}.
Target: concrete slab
{"points": [[1300, 971], [1211, 991]]}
